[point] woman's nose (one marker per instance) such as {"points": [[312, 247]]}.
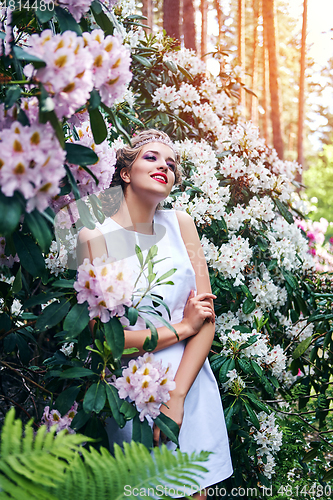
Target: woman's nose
{"points": [[163, 165]]}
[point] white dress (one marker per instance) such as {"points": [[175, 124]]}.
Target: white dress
{"points": [[203, 426]]}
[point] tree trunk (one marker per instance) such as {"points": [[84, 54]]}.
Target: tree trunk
{"points": [[189, 25], [265, 78], [147, 11], [268, 16], [301, 100], [241, 45], [204, 21], [171, 11], [221, 35], [254, 64]]}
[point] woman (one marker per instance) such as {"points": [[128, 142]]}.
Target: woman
{"points": [[146, 172]]}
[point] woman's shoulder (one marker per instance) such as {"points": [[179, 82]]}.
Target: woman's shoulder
{"points": [[86, 234]]}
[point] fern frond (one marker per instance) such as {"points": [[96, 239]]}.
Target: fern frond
{"points": [[30, 463], [49, 467]]}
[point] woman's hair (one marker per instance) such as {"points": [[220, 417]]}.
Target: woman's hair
{"points": [[126, 156]]}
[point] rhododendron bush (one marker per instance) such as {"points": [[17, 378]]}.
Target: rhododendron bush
{"points": [[73, 93]]}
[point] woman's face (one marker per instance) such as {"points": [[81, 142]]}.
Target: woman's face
{"points": [[152, 174]]}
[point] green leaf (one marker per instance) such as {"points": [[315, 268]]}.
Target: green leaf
{"points": [[132, 315], [41, 298], [115, 404], [85, 215], [166, 275], [225, 368], [80, 419], [30, 254], [168, 427], [63, 283], [98, 126], [139, 254], [171, 66], [328, 475], [77, 319], [290, 279], [52, 315], [77, 372], [142, 432], [57, 127], [66, 21], [10, 210], [256, 368], [17, 285], [150, 343], [80, 155], [39, 229], [185, 73], [101, 18], [281, 206], [12, 95], [66, 399], [114, 334], [142, 60], [301, 348], [128, 410], [217, 361], [94, 99], [44, 15], [22, 55], [252, 416], [248, 306], [262, 243], [310, 455], [94, 399]]}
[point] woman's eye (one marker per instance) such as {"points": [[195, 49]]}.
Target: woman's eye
{"points": [[149, 157], [172, 166]]}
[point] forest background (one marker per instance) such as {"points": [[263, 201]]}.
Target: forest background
{"points": [[269, 263]]}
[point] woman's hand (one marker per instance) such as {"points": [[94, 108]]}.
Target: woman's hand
{"points": [[175, 410], [197, 310]]}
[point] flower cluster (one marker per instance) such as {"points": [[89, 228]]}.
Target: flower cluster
{"points": [[146, 382], [231, 258], [56, 260], [106, 285], [103, 169], [269, 442], [235, 384], [75, 65], [110, 66], [268, 357], [53, 417], [31, 161]]}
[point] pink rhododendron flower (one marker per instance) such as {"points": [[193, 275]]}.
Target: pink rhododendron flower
{"points": [[103, 168], [106, 285], [111, 62], [31, 160], [147, 383], [76, 7], [67, 75], [53, 417]]}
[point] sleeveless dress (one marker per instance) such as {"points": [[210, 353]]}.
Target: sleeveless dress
{"points": [[203, 426]]}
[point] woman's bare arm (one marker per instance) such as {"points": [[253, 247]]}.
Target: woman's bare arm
{"points": [[91, 244]]}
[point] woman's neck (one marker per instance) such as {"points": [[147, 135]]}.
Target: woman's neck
{"points": [[136, 218]]}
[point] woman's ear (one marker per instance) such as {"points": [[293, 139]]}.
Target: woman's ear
{"points": [[125, 175]]}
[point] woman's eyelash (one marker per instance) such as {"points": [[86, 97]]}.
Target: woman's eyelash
{"points": [[149, 157]]}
